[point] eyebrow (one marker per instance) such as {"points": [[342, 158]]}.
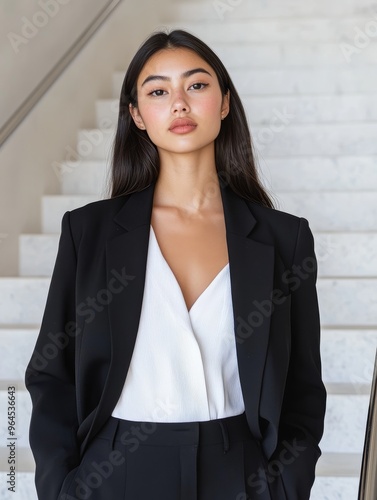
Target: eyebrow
{"points": [[186, 74]]}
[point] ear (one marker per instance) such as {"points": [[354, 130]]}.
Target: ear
{"points": [[225, 105], [136, 117]]}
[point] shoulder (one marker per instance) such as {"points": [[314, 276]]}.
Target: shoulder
{"points": [[95, 218], [105, 208], [276, 221], [283, 230]]}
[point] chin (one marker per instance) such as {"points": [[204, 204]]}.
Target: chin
{"points": [[185, 148]]}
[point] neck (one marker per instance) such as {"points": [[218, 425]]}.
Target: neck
{"points": [[188, 182]]}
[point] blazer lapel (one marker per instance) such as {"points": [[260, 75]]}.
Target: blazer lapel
{"points": [[251, 273], [251, 266], [126, 254]]}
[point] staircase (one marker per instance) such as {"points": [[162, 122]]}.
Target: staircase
{"points": [[312, 108]]}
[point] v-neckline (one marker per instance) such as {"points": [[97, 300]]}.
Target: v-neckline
{"points": [[176, 281]]}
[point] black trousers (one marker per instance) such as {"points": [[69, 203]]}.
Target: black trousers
{"points": [[213, 460]]}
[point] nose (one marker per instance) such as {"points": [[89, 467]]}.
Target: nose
{"points": [[179, 104]]}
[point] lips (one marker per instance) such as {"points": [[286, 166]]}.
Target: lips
{"points": [[182, 125]]}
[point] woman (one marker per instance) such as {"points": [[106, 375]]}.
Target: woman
{"points": [[178, 356]]}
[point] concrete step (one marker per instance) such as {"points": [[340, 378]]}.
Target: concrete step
{"points": [[345, 423], [339, 139], [343, 302], [348, 303], [346, 254], [25, 487], [282, 30], [300, 109], [22, 419], [23, 300], [338, 254], [37, 254], [333, 211], [339, 465], [305, 81], [336, 173], [333, 173], [84, 177], [336, 471], [335, 488], [107, 111], [54, 207], [343, 371], [277, 80], [283, 138], [346, 108], [231, 10], [264, 55], [16, 347], [93, 144], [348, 358], [353, 210]]}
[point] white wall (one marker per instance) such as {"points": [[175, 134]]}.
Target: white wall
{"points": [[26, 158]]}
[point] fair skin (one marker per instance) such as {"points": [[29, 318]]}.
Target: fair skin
{"points": [[187, 215]]}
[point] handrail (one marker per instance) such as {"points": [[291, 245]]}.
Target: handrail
{"points": [[368, 477], [22, 111]]}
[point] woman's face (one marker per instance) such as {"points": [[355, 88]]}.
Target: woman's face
{"points": [[180, 103]]}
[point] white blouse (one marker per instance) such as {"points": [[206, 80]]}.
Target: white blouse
{"points": [[184, 364]]}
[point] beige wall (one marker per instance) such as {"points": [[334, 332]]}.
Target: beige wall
{"points": [[37, 33], [43, 137]]}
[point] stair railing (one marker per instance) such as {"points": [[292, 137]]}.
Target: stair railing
{"points": [[368, 476], [17, 117]]}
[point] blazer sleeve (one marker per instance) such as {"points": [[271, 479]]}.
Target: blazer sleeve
{"points": [[50, 377], [304, 403]]}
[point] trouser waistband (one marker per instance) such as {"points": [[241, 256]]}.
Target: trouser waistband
{"points": [[223, 430]]}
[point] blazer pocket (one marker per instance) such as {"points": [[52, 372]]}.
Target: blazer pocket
{"points": [[67, 482]]}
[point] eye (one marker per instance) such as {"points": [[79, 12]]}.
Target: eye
{"points": [[199, 85], [157, 93]]}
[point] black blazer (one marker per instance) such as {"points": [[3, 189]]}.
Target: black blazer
{"points": [[80, 362]]}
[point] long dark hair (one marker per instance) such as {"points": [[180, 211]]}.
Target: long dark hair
{"points": [[135, 160]]}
